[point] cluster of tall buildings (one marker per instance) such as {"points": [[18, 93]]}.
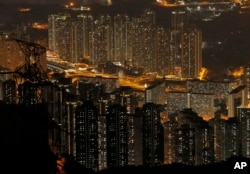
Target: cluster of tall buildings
{"points": [[133, 41], [104, 124], [117, 126], [121, 126]]}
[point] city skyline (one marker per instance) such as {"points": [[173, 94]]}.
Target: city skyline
{"points": [[219, 52], [97, 115]]}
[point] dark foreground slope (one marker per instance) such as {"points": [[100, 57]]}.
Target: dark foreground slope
{"points": [[24, 144]]}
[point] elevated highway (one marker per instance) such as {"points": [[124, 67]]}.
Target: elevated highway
{"points": [[57, 66]]}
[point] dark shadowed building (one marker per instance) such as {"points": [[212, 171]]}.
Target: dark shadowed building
{"points": [[86, 134], [152, 136], [117, 136]]}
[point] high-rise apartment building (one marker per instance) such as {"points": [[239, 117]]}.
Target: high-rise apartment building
{"points": [[169, 139], [227, 136], [8, 91], [59, 35], [162, 50], [192, 139], [84, 26], [11, 56], [178, 20], [53, 34], [69, 125], [247, 88], [117, 136], [143, 42], [126, 98], [86, 135], [122, 47], [152, 135], [185, 146], [191, 54], [137, 144], [185, 48], [232, 137], [243, 116], [101, 42], [103, 105], [219, 126]]}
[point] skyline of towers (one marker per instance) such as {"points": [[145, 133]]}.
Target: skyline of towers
{"points": [[183, 126], [204, 97], [195, 95], [136, 41]]}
